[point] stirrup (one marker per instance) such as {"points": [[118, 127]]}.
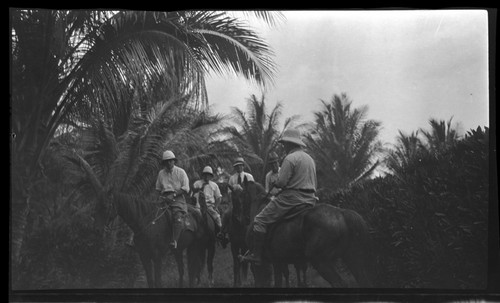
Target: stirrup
{"points": [[250, 257], [173, 244]]}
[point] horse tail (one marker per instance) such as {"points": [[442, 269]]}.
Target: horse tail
{"points": [[361, 244]]}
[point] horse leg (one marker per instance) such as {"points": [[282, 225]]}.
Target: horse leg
{"points": [[277, 267], [195, 257], [210, 265], [244, 272], [327, 271], [357, 267], [148, 268], [286, 275], [300, 269], [180, 266], [158, 270], [236, 266]]}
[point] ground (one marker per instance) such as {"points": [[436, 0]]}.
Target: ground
{"points": [[223, 274]]}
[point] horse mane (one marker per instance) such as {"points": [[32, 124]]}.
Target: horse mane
{"points": [[259, 193]]}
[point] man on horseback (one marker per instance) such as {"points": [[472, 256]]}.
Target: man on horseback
{"points": [[238, 177], [297, 181], [172, 184], [272, 175], [212, 195]]}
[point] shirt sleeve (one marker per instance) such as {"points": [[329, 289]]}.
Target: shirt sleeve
{"points": [[249, 177], [285, 173], [184, 181], [231, 181], [159, 186], [217, 193]]}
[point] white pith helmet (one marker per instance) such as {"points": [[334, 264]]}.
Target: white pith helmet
{"points": [[208, 170], [293, 136], [168, 155]]}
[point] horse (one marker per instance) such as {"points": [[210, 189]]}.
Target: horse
{"points": [[208, 240], [151, 223], [319, 236], [235, 221], [225, 202]]}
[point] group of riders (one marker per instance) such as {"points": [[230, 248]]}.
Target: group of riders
{"points": [[290, 184]]}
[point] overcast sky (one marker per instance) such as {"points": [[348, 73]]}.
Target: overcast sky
{"points": [[407, 66]]}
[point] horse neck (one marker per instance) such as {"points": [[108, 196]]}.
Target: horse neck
{"points": [[256, 204], [133, 211]]}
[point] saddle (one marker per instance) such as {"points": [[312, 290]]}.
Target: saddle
{"points": [[292, 213]]}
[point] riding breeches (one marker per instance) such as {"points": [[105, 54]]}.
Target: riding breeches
{"points": [[178, 208], [278, 207]]}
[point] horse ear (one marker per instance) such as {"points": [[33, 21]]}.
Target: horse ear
{"points": [[245, 181]]}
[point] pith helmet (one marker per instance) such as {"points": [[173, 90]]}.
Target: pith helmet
{"points": [[208, 170], [293, 136], [168, 155], [239, 161]]}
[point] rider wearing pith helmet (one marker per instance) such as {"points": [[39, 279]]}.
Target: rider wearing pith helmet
{"points": [[272, 174], [172, 184], [238, 161], [297, 179], [238, 178], [212, 195]]}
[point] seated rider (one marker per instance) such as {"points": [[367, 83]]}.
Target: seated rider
{"points": [[238, 177], [272, 175], [172, 184], [212, 195], [297, 179]]}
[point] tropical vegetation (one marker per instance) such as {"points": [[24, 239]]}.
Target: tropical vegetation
{"points": [[98, 95]]}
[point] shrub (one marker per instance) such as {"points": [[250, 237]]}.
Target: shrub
{"points": [[429, 225]]}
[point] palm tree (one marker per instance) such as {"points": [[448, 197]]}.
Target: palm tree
{"points": [[72, 69], [256, 132], [441, 135], [408, 150], [343, 144]]}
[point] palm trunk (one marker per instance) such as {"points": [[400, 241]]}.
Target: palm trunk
{"points": [[20, 212]]}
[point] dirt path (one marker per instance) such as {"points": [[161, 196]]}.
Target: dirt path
{"points": [[223, 274]]}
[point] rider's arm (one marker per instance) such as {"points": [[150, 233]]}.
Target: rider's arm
{"points": [[285, 173], [217, 196], [184, 184]]}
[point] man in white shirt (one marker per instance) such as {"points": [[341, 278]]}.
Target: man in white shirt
{"points": [[212, 196], [172, 184], [272, 175], [297, 179], [239, 176]]}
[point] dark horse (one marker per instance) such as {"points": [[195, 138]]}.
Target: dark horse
{"points": [[152, 226], [208, 239], [318, 236], [235, 221]]}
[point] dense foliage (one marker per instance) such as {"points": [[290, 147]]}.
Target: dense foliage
{"points": [[429, 225]]}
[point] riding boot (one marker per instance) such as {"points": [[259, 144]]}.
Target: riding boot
{"points": [[177, 228], [255, 254]]}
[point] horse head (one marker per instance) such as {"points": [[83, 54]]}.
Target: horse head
{"points": [[255, 198]]}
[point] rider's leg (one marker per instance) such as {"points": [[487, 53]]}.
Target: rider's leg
{"points": [[178, 221], [270, 214]]}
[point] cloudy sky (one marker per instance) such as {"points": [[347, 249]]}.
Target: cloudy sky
{"points": [[407, 66]]}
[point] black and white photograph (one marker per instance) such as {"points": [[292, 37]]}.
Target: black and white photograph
{"points": [[247, 155]]}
